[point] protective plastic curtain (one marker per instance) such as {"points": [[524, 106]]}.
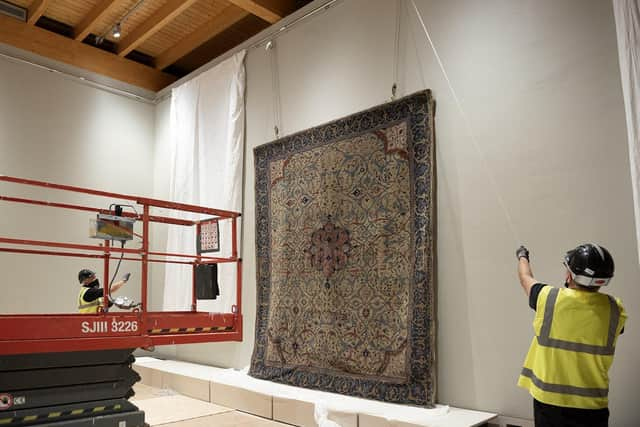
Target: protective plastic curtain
{"points": [[207, 137], [627, 15]]}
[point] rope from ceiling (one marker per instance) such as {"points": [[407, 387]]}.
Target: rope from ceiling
{"points": [[275, 86], [396, 50], [467, 125]]}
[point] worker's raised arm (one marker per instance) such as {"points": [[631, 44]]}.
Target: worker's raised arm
{"points": [[524, 270], [120, 283]]}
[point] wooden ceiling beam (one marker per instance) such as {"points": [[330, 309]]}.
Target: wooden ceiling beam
{"points": [[229, 16], [36, 10], [162, 17], [59, 48], [268, 10], [83, 29]]}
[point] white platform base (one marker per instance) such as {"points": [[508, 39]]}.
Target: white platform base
{"points": [[294, 405]]}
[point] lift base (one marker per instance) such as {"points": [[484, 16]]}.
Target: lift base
{"points": [[69, 389]]}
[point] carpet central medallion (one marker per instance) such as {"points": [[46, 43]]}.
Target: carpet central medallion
{"points": [[329, 249]]}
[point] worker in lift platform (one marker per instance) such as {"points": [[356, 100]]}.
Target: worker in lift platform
{"points": [[91, 294]]}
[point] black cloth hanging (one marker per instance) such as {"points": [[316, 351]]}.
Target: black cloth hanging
{"points": [[207, 281]]}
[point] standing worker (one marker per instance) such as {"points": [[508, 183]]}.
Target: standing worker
{"points": [[566, 369], [91, 294]]}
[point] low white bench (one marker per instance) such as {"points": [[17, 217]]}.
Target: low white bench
{"points": [[294, 405]]}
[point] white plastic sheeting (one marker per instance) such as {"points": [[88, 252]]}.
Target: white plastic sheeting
{"points": [[627, 15], [207, 137]]}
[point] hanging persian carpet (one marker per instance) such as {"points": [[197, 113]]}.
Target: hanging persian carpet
{"points": [[345, 234]]}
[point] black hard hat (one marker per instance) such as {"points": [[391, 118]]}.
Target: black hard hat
{"points": [[590, 265], [85, 273]]}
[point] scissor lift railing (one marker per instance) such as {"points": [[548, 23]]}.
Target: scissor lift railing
{"points": [[44, 333]]}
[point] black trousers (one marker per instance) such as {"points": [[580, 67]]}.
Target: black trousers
{"points": [[558, 416]]}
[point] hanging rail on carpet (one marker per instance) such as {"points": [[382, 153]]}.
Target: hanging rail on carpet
{"points": [[39, 333]]}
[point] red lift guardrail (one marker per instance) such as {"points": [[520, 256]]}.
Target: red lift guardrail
{"points": [[43, 333]]}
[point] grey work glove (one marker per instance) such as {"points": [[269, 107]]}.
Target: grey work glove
{"points": [[522, 252], [126, 277]]}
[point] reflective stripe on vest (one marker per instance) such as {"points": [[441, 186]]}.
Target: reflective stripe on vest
{"points": [[545, 339], [565, 389]]}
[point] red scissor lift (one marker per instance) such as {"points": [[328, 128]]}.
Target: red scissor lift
{"points": [[29, 341]]}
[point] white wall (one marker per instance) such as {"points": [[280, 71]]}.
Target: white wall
{"points": [[539, 83], [56, 129]]}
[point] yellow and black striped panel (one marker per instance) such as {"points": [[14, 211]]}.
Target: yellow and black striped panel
{"points": [[52, 416], [190, 330]]}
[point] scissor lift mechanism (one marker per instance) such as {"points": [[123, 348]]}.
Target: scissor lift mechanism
{"points": [[38, 333]]}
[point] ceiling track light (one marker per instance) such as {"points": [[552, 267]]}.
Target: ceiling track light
{"points": [[116, 31]]}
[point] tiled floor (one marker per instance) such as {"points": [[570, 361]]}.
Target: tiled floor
{"points": [[190, 411], [227, 419]]}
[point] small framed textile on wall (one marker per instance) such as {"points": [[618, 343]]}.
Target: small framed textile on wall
{"points": [[208, 236]]}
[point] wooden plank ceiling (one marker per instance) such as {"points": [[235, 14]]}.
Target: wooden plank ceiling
{"points": [[160, 40]]}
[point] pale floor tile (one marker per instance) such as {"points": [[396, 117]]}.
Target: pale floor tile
{"points": [[147, 392], [164, 415], [169, 409], [227, 419]]}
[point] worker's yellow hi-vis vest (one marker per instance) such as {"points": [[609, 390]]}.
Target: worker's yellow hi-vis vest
{"points": [[87, 307], [569, 358]]}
